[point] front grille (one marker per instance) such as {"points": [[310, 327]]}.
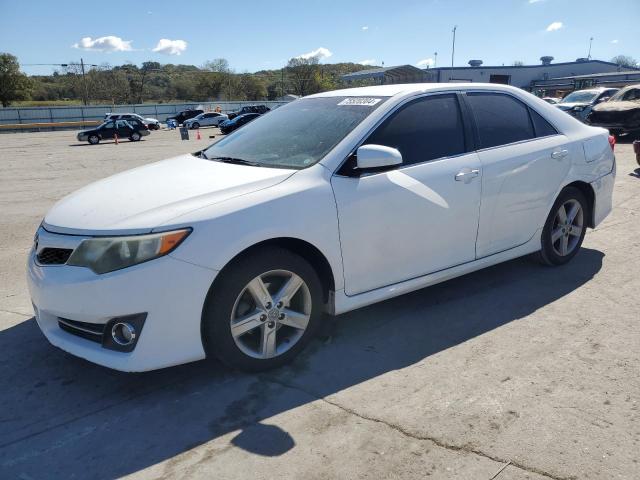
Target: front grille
{"points": [[54, 256], [90, 331]]}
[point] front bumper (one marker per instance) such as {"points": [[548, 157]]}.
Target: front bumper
{"points": [[172, 293]]}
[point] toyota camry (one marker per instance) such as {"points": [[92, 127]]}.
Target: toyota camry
{"points": [[327, 204]]}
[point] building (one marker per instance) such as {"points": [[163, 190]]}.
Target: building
{"points": [[388, 75], [523, 76], [561, 85]]}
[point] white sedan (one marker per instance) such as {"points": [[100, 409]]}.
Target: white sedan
{"points": [[332, 202], [206, 119]]}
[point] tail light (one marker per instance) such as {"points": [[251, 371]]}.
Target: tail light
{"points": [[612, 142]]}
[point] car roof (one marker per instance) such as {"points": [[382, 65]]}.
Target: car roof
{"points": [[408, 88]]}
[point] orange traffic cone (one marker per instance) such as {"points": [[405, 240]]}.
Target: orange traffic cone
{"points": [[198, 137], [115, 136]]}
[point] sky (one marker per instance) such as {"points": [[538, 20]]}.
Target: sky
{"points": [[256, 35]]}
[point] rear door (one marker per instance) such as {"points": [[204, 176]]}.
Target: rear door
{"points": [[420, 217], [524, 162], [124, 129]]}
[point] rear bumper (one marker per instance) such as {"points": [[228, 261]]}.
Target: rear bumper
{"points": [[603, 189], [172, 293]]}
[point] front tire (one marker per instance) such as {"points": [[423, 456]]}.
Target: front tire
{"points": [[93, 139], [263, 310], [135, 136], [565, 228], [195, 125]]}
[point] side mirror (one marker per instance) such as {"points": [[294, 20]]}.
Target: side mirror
{"points": [[375, 156]]}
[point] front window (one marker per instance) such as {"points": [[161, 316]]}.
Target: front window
{"points": [[298, 134], [580, 97]]}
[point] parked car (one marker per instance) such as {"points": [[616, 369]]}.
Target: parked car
{"points": [[621, 114], [185, 115], [329, 203], [230, 125], [551, 100], [261, 109], [579, 103], [152, 123], [206, 119], [132, 129]]}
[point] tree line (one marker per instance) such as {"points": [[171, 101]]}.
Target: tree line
{"points": [[155, 82]]}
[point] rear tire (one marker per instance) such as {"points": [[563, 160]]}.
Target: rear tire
{"points": [[259, 331], [564, 230]]}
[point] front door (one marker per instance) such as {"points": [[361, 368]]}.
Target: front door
{"points": [[420, 217]]}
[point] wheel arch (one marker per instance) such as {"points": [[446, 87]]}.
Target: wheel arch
{"points": [[587, 191], [304, 249]]}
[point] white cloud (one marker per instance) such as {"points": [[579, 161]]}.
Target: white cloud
{"points": [[170, 47], [109, 43], [554, 26], [614, 41], [369, 61], [427, 62], [366, 27], [535, 1], [318, 52]]}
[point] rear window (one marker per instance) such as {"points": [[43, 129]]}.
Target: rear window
{"points": [[500, 119]]}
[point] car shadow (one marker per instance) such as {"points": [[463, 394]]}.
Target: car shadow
{"points": [[103, 142], [63, 417]]}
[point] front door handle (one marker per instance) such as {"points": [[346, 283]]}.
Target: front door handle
{"points": [[467, 174], [559, 154]]}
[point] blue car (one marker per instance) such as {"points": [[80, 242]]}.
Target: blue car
{"points": [[229, 126]]}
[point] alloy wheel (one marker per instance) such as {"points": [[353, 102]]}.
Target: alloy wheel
{"points": [[568, 226], [271, 314]]}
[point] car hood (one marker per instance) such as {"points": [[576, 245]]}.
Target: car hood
{"points": [[569, 106], [616, 106], [138, 200]]}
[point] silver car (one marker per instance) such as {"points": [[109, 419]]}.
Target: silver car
{"points": [[206, 119]]}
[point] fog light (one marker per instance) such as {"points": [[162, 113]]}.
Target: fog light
{"points": [[123, 333]]}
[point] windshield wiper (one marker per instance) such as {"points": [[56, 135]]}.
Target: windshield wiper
{"points": [[237, 161]]}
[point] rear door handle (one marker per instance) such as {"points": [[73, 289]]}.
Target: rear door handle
{"points": [[467, 174], [559, 154]]}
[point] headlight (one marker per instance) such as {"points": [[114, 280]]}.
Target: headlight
{"points": [[579, 108], [107, 254]]}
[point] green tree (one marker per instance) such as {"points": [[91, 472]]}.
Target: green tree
{"points": [[303, 75], [625, 61], [14, 85]]}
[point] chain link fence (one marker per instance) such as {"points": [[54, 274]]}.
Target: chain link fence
{"points": [[53, 118]]}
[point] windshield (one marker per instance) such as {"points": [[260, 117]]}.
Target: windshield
{"points": [[627, 94], [584, 96], [298, 134]]}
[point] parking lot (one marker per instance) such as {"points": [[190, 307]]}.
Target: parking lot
{"points": [[520, 369]]}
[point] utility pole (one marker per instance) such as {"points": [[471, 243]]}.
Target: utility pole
{"points": [[84, 82], [453, 45], [282, 82], [589, 54], [435, 59]]}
